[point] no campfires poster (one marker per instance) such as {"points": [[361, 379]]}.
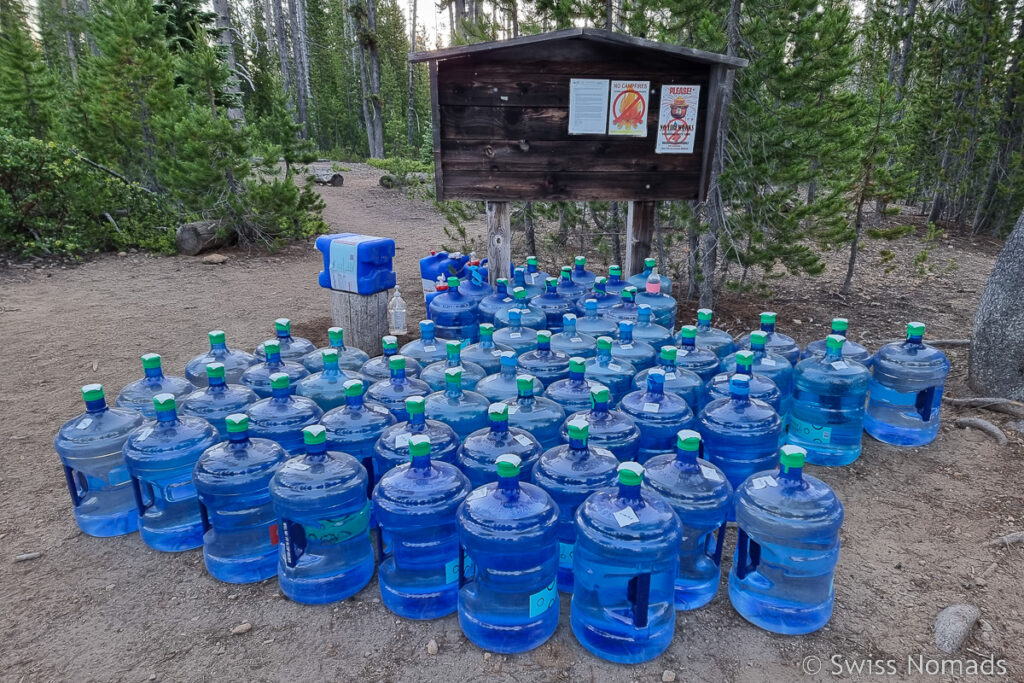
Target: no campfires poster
{"points": [[677, 120], [627, 110]]}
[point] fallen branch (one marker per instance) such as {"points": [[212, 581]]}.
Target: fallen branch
{"points": [[995, 404], [112, 172], [984, 426], [1008, 539]]}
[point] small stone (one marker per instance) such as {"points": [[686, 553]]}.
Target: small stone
{"points": [[432, 647], [487, 655], [668, 676], [980, 581], [110, 586], [797, 321], [152, 677], [122, 254], [233, 596], [241, 628], [215, 259], [953, 625], [367, 654], [25, 557]]}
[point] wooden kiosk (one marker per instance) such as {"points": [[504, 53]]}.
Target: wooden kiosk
{"points": [[576, 114]]}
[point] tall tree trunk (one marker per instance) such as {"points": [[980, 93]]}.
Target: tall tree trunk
{"points": [[858, 225], [70, 40], [515, 18], [375, 99], [613, 223], [691, 260], [85, 10], [609, 15], [297, 40], [282, 48], [412, 75], [562, 236], [226, 40], [531, 232]]}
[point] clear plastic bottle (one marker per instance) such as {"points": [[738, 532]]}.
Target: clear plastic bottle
{"points": [[258, 376], [570, 473], [414, 505], [515, 336], [480, 450], [521, 279], [528, 317], [552, 306], [426, 349], [625, 565], [500, 300], [567, 289], [625, 349], [571, 341], [698, 359], [609, 428], [357, 425], [327, 387], [741, 435], [392, 448], [719, 341], [508, 595], [761, 387], [580, 275], [684, 383], [235, 361], [827, 415], [540, 416], [232, 481], [573, 393], [453, 313], [851, 349], [787, 549], [615, 283], [652, 333], [138, 395], [906, 391], [658, 414], [291, 348], [624, 310], [217, 399], [544, 363], [397, 318], [282, 416], [462, 410], [599, 293], [485, 352], [476, 286], [650, 268], [775, 342], [702, 497], [663, 306], [614, 374], [349, 357], [502, 385], [379, 367], [323, 512], [90, 450], [160, 456], [535, 276], [433, 374], [392, 392], [770, 365], [593, 324]]}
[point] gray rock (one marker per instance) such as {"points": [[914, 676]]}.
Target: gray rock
{"points": [[953, 625], [241, 628], [432, 647], [214, 259]]}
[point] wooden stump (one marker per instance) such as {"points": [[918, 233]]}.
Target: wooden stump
{"points": [[329, 178], [364, 317], [195, 238]]}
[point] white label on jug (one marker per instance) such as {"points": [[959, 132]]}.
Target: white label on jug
{"points": [[670, 375], [300, 466], [496, 352], [626, 516], [524, 440], [710, 473], [514, 335], [428, 285], [402, 440], [761, 482], [768, 361], [84, 424], [430, 348], [513, 409], [651, 407], [840, 365], [626, 346], [144, 433], [576, 339]]}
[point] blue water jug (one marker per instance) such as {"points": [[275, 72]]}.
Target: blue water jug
{"points": [[616, 283], [392, 448], [291, 348], [476, 286], [827, 415], [235, 361], [570, 473], [603, 300], [138, 395], [532, 318], [741, 435], [625, 564], [652, 333], [658, 414], [379, 367], [437, 265], [552, 306], [217, 399], [480, 450], [503, 385], [775, 342], [787, 548], [327, 387], [485, 352], [323, 513], [684, 383], [160, 456], [491, 304], [625, 349], [574, 392], [650, 268], [463, 410], [90, 449], [697, 359], [608, 427], [906, 391], [702, 497], [508, 595], [771, 365], [761, 387], [356, 263], [392, 392], [624, 310], [258, 376], [515, 335], [540, 416], [544, 363], [719, 341], [851, 349], [535, 277], [571, 341], [663, 306], [580, 275], [427, 349], [614, 374], [440, 288], [349, 357], [568, 289], [232, 478], [434, 375], [357, 425], [593, 323], [282, 416], [454, 313], [519, 279]]}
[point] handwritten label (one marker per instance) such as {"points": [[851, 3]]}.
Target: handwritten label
{"points": [[762, 482], [626, 516], [523, 440]]}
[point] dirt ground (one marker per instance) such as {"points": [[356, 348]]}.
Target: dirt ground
{"points": [[914, 540]]}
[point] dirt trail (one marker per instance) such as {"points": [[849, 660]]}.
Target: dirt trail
{"points": [[112, 609]]}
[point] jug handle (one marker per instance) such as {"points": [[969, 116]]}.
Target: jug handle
{"points": [[923, 403], [716, 554], [292, 549], [748, 554], [463, 579], [371, 480], [204, 517], [76, 493], [381, 554], [639, 595], [140, 502]]}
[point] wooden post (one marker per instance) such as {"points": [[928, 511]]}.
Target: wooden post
{"points": [[499, 241], [639, 234], [364, 317]]}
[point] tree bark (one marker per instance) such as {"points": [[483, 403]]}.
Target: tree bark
{"points": [[369, 59], [531, 232], [298, 38], [226, 40], [412, 75], [282, 48], [69, 41], [613, 223]]}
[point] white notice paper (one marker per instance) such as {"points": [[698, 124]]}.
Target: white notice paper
{"points": [[588, 102], [677, 119], [627, 111]]}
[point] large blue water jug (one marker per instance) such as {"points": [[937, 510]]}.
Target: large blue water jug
{"points": [[434, 374], [571, 341], [291, 348], [515, 335], [906, 391], [775, 342], [463, 410], [652, 333], [761, 387], [624, 310], [503, 385], [608, 427], [552, 306], [232, 478], [486, 353], [719, 341], [160, 456], [508, 595], [439, 265], [625, 349], [454, 313], [603, 300], [480, 450], [539, 416], [580, 275], [787, 549], [217, 399], [258, 376], [427, 349], [851, 349], [658, 414], [90, 449], [392, 392], [614, 374], [702, 497], [625, 565], [379, 367], [650, 268], [593, 323], [684, 383], [827, 414], [531, 318], [414, 505], [491, 304], [476, 286], [570, 473], [392, 448], [698, 359], [138, 395], [356, 426], [573, 393], [519, 279], [616, 283], [568, 289], [356, 263], [741, 435], [535, 277], [327, 387], [349, 357], [235, 361], [323, 513], [771, 365], [663, 306], [545, 363], [282, 416]]}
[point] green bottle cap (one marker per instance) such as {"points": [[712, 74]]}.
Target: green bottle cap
{"points": [[453, 375], [688, 332], [454, 348], [486, 329], [498, 412], [396, 362], [279, 380], [353, 387], [92, 392], [687, 440], [283, 325], [525, 382], [453, 282], [543, 336], [668, 353], [271, 347], [704, 315], [600, 395], [579, 429], [164, 402], [519, 293], [502, 281], [758, 338], [915, 329], [577, 364], [217, 336], [415, 405], [336, 335], [628, 293], [768, 318], [508, 465], [631, 473], [581, 261], [419, 444], [314, 435], [745, 359], [531, 260], [238, 422], [840, 324], [150, 361], [215, 370], [615, 270], [791, 456], [600, 280], [604, 343], [553, 282], [330, 356], [834, 342], [389, 343], [649, 262], [567, 272]]}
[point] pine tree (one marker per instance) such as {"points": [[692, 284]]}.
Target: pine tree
{"points": [[27, 89]]}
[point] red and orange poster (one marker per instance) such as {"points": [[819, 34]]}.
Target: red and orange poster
{"points": [[677, 119], [627, 108]]}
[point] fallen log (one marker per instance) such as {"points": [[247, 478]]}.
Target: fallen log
{"points": [[329, 178], [195, 238]]}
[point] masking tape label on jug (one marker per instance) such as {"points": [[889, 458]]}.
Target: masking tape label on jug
{"points": [[543, 600], [565, 554], [809, 432], [626, 516]]}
